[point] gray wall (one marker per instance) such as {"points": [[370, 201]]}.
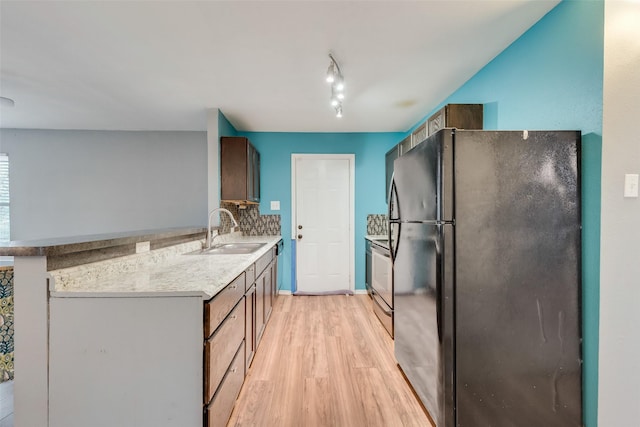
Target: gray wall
{"points": [[76, 182], [619, 391]]}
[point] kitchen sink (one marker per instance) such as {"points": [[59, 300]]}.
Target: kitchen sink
{"points": [[230, 248]]}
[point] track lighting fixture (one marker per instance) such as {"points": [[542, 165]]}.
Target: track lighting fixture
{"points": [[334, 77], [331, 71]]}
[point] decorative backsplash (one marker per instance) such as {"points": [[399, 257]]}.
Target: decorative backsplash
{"points": [[6, 323], [225, 221], [376, 224], [250, 221]]}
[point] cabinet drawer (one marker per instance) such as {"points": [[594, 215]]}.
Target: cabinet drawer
{"points": [[220, 349], [264, 261], [250, 276], [217, 309], [219, 410]]}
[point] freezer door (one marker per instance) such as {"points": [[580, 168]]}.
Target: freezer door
{"points": [[423, 310], [423, 181], [518, 246]]}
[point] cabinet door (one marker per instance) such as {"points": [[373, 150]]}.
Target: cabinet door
{"points": [[253, 174], [233, 168], [259, 312], [436, 122], [367, 264], [250, 172], [255, 196], [404, 146], [274, 281], [419, 135], [464, 116], [268, 292], [239, 170], [250, 325]]}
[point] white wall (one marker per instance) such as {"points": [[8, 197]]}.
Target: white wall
{"points": [[76, 182], [213, 161], [619, 355]]}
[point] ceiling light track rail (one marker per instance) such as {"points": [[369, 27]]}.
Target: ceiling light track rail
{"points": [[336, 80]]}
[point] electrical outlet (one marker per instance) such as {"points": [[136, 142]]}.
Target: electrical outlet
{"points": [[143, 247], [275, 205], [631, 185]]}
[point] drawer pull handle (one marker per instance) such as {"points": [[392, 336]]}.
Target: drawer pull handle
{"points": [[234, 317], [234, 370], [233, 287]]}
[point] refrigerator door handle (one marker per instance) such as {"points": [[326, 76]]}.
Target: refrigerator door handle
{"points": [[393, 246], [393, 206], [392, 221]]}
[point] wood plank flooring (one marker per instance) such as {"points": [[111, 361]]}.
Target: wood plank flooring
{"points": [[326, 361]]}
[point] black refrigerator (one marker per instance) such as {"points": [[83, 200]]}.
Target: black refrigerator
{"points": [[485, 241]]}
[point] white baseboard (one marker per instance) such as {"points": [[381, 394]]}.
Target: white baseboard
{"points": [[357, 291]]}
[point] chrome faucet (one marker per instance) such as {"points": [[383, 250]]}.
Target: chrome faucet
{"points": [[209, 237]]}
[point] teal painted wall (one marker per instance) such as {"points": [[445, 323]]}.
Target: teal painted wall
{"points": [[551, 78], [225, 128], [275, 179]]}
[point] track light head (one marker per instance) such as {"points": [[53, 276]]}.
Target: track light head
{"points": [[334, 77], [331, 72]]}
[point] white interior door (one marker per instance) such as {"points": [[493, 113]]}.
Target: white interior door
{"points": [[323, 216]]}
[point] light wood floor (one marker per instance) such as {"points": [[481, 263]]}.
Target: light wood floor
{"points": [[326, 361]]}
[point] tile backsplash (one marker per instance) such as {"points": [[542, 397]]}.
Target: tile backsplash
{"points": [[6, 323], [250, 221], [225, 221], [376, 224]]}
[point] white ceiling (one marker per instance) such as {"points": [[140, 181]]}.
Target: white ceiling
{"points": [[159, 65]]}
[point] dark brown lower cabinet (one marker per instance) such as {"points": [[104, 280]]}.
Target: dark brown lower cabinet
{"points": [[221, 348], [219, 410], [259, 312], [234, 322], [250, 324]]}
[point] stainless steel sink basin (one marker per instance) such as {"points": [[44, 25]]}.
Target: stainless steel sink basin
{"points": [[230, 248]]}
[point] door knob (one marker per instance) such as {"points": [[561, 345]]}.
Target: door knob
{"points": [[299, 236], [299, 227]]}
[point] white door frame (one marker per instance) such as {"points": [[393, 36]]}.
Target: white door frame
{"points": [[352, 186]]}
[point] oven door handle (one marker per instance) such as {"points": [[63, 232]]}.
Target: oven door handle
{"points": [[386, 311], [380, 250]]}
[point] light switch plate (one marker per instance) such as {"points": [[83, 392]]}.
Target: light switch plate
{"points": [[631, 185], [275, 205]]}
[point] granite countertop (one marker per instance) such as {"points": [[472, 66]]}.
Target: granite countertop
{"points": [[66, 245], [181, 274]]}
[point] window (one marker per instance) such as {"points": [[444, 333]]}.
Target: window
{"points": [[4, 198]]}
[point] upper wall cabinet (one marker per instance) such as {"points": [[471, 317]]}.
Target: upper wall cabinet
{"points": [[461, 116], [391, 156], [239, 171]]}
